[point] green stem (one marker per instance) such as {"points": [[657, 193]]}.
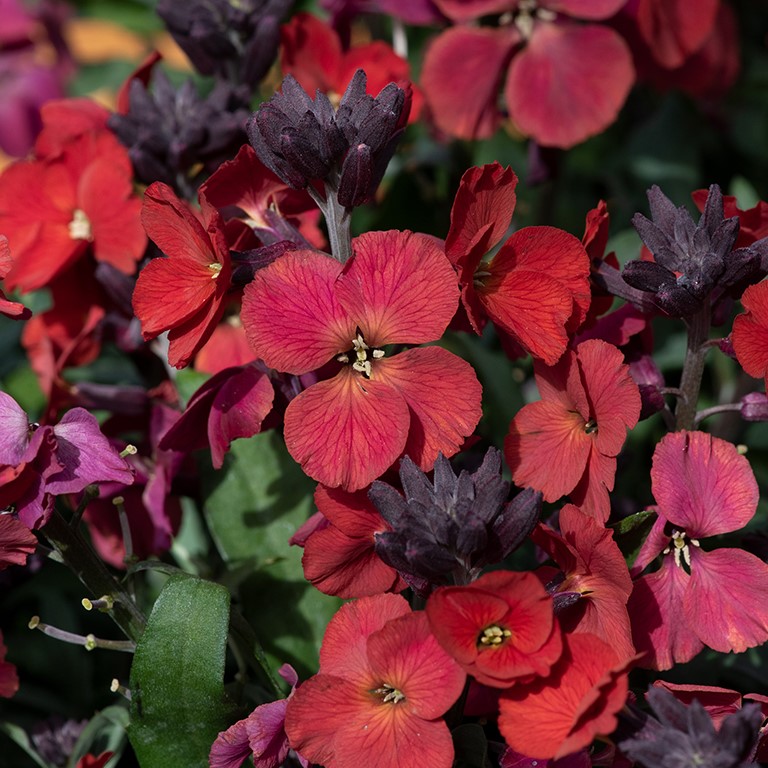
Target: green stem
{"points": [[80, 558], [693, 368], [337, 219]]}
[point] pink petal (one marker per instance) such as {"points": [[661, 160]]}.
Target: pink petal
{"points": [[17, 542], [585, 9], [347, 431], [265, 727], [15, 434], [569, 83], [401, 287], [406, 654], [702, 484], [344, 649], [292, 314], [468, 10], [486, 196], [660, 627], [230, 748], [727, 599], [461, 78], [443, 396]]}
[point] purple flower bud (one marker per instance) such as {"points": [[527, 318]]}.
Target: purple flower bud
{"points": [[754, 407]]}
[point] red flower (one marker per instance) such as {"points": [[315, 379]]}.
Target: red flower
{"points": [[311, 51], [750, 332], [383, 685], [717, 598], [184, 293], [501, 628], [9, 680], [76, 197], [9, 308], [566, 81], [305, 310], [594, 568], [536, 288], [557, 715], [567, 442], [339, 558]]}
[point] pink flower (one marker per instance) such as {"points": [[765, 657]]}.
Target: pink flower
{"points": [[383, 686], [305, 310], [717, 598]]}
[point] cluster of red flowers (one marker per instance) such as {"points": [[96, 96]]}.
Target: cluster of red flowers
{"points": [[340, 343]]}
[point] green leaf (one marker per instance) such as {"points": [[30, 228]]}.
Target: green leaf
{"points": [[19, 737], [253, 506], [470, 746], [631, 532], [178, 704], [105, 732]]}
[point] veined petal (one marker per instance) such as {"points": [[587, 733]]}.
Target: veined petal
{"points": [[443, 396], [750, 331], [727, 600], [461, 78], [702, 484], [348, 430], [292, 314], [591, 493], [547, 449], [15, 435], [661, 630], [401, 287], [569, 83]]}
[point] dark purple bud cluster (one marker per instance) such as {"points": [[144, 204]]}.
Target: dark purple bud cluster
{"points": [[690, 260], [170, 132], [446, 530], [347, 149], [684, 736], [235, 40]]}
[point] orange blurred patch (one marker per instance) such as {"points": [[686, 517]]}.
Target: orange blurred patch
{"points": [[96, 41]]}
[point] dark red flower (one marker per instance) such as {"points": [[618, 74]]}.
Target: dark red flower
{"points": [[9, 680], [184, 293], [17, 542], [501, 628]]}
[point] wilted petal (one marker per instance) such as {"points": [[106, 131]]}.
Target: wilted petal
{"points": [[568, 83], [17, 542]]}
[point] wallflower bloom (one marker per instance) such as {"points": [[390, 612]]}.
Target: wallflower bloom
{"points": [[383, 685], [535, 290], [567, 442], [306, 309], [750, 332], [185, 292], [562, 713], [501, 628], [697, 598]]}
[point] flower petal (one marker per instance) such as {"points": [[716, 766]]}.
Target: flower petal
{"points": [[750, 331], [727, 599], [443, 397], [348, 430], [702, 484], [569, 83], [401, 287]]}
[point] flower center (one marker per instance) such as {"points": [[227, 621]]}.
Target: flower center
{"points": [[80, 226], [215, 269], [493, 636], [591, 427], [527, 12], [361, 356], [680, 546], [389, 694]]}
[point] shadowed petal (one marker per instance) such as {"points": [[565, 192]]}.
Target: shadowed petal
{"points": [[347, 431], [569, 83]]}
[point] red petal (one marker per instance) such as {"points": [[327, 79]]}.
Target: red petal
{"points": [[311, 52], [401, 287], [17, 542], [467, 10], [569, 83], [292, 314], [185, 340], [660, 629], [461, 77], [547, 449], [750, 331], [702, 484], [486, 196], [443, 396], [585, 9], [344, 649], [227, 348], [591, 494], [351, 513], [727, 599], [674, 29], [347, 431]]}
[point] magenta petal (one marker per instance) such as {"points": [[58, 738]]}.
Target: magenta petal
{"points": [[14, 433], [702, 484], [265, 727], [348, 430], [461, 78], [230, 748], [238, 410], [292, 316], [443, 395], [401, 287], [660, 628], [569, 83], [585, 9], [86, 455], [727, 599]]}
